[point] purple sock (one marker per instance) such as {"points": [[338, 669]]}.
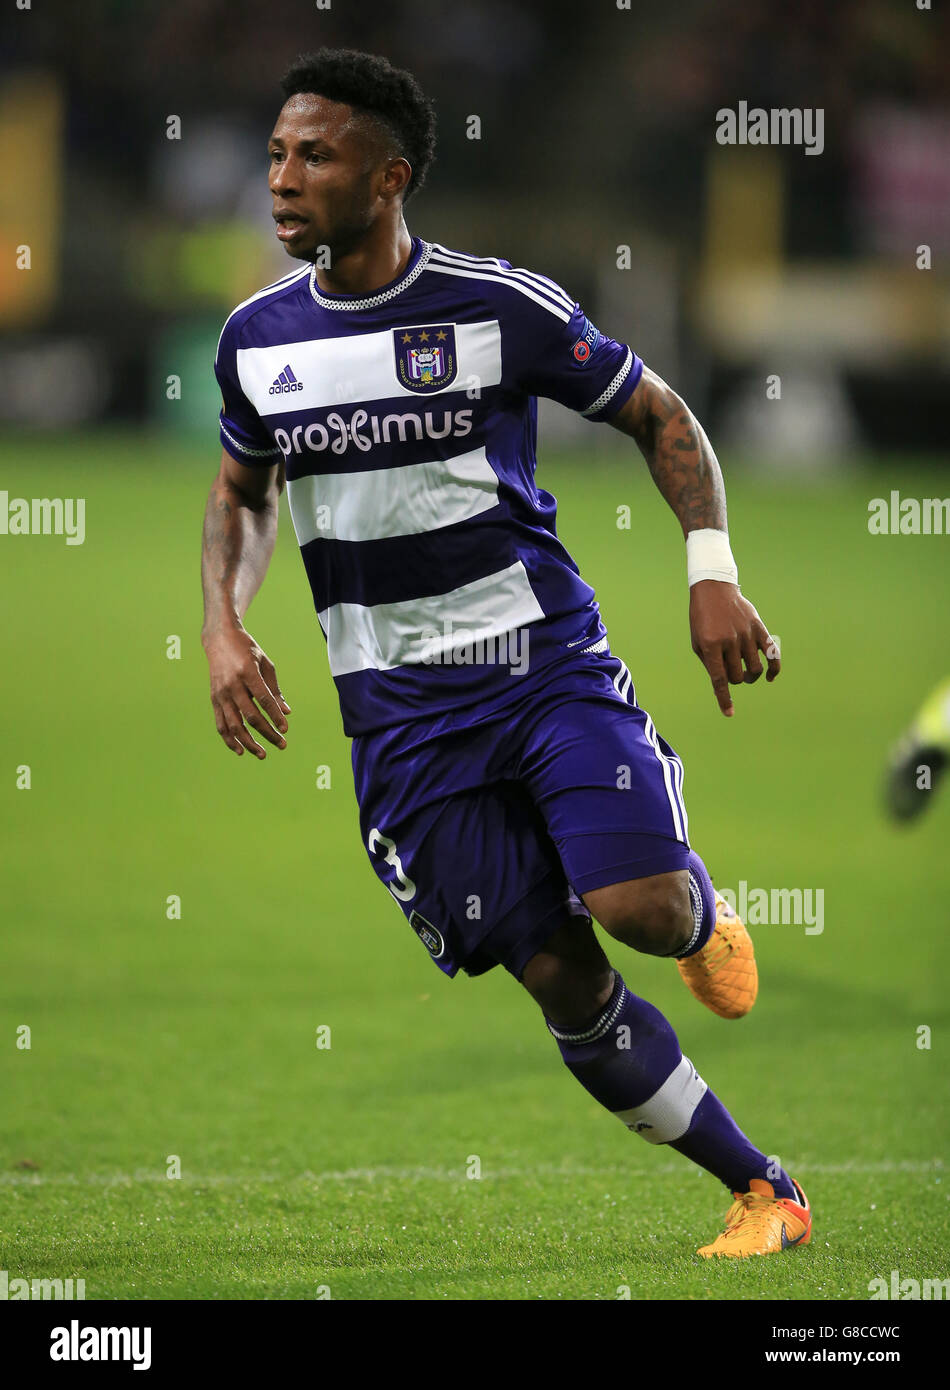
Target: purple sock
{"points": [[628, 1058], [716, 1143], [703, 898]]}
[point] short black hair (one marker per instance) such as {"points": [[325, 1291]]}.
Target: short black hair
{"points": [[371, 84]]}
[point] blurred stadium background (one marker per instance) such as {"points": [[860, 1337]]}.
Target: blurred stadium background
{"points": [[597, 130], [195, 1037]]}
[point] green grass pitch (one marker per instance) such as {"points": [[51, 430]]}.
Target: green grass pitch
{"points": [[347, 1168]]}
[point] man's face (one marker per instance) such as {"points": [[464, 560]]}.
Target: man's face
{"points": [[324, 164]]}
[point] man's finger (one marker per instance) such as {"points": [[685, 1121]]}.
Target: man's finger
{"points": [[237, 729], [717, 674], [770, 646], [253, 716], [220, 724], [269, 673], [265, 697], [750, 655], [733, 655]]}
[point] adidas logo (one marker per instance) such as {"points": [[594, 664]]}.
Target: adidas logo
{"points": [[285, 382]]}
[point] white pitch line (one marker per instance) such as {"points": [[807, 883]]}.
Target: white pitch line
{"points": [[421, 1174]]}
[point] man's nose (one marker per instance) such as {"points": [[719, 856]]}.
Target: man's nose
{"points": [[284, 177]]}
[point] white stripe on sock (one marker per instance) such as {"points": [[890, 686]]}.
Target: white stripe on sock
{"points": [[667, 1114]]}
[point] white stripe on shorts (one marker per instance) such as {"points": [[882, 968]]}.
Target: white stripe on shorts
{"points": [[672, 766]]}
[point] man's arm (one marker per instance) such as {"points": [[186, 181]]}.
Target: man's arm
{"points": [[240, 529], [725, 628]]}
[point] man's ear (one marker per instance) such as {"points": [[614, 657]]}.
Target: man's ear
{"points": [[396, 177]]}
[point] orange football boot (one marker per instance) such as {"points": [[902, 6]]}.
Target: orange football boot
{"points": [[723, 975], [759, 1223]]}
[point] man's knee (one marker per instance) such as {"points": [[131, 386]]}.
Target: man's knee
{"points": [[570, 978], [653, 915]]}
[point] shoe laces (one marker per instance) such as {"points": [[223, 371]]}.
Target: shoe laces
{"points": [[717, 951], [750, 1209]]}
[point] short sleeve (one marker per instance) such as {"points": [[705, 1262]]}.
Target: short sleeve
{"points": [[242, 431], [561, 355]]}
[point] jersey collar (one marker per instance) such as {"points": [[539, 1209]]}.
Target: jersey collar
{"points": [[418, 261]]}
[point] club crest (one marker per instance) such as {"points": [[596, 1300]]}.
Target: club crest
{"points": [[426, 359]]}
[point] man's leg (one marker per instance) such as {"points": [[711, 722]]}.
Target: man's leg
{"points": [[679, 914], [610, 790], [659, 915], [625, 1053], [920, 761]]}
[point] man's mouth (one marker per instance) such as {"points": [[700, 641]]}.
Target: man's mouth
{"points": [[289, 225]]}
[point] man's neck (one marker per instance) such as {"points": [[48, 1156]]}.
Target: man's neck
{"points": [[369, 266]]}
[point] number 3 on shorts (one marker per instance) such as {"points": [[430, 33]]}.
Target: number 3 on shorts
{"points": [[403, 888]]}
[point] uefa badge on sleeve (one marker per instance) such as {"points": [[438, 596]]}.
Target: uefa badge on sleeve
{"points": [[586, 343], [426, 358]]}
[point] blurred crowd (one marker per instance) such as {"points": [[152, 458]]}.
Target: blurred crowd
{"points": [[595, 115]]}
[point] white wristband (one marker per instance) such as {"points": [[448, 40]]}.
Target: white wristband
{"points": [[708, 556]]}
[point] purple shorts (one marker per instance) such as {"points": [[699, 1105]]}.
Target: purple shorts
{"points": [[487, 833]]}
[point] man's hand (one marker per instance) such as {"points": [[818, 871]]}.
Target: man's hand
{"points": [[240, 528], [726, 630], [241, 673]]}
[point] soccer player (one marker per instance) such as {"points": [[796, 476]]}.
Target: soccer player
{"points": [[510, 786], [919, 761]]}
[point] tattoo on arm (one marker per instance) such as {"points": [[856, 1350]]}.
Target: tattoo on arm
{"points": [[680, 457], [237, 543], [219, 553]]}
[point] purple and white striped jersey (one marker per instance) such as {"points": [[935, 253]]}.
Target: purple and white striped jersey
{"points": [[407, 421]]}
